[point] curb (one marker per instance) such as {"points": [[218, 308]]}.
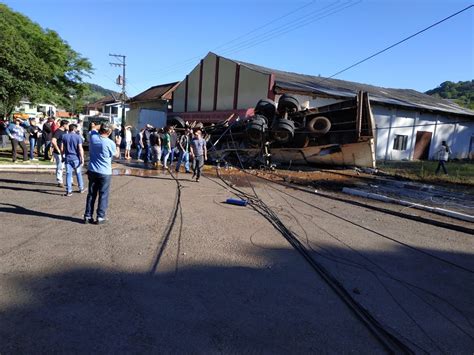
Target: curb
{"points": [[449, 213], [17, 167]]}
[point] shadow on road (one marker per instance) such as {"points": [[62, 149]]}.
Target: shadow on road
{"points": [[41, 191], [26, 182], [19, 210], [210, 309]]}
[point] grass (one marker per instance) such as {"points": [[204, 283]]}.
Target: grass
{"points": [[19, 161], [459, 172], [6, 158]]}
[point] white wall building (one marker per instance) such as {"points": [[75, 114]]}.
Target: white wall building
{"points": [[409, 124], [34, 110]]}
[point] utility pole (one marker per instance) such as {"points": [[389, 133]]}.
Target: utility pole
{"points": [[121, 80]]}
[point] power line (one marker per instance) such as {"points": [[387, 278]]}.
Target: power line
{"points": [[291, 26], [313, 17], [192, 60], [399, 42]]}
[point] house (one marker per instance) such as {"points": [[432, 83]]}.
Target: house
{"points": [[110, 106], [151, 106], [30, 109], [409, 124]]}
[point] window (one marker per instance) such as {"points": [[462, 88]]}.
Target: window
{"points": [[400, 142]]}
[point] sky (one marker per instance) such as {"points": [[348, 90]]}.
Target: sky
{"points": [[164, 40]]}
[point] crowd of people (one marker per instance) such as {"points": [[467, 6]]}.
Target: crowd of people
{"points": [[38, 133], [162, 146], [62, 142]]}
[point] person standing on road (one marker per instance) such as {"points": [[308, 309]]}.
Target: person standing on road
{"points": [[199, 154], [3, 131], [40, 142], [139, 143], [101, 151], [34, 133], [48, 137], [166, 146], [17, 136], [73, 153], [173, 144], [146, 143], [128, 142], [56, 143], [443, 156], [155, 142], [184, 144]]}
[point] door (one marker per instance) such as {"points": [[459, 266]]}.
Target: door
{"points": [[422, 145]]}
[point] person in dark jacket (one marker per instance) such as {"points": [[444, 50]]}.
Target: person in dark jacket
{"points": [[34, 133], [147, 143], [48, 137]]}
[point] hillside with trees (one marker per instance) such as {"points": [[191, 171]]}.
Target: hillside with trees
{"points": [[95, 92], [461, 92]]}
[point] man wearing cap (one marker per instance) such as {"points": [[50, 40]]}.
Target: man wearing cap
{"points": [[101, 151]]}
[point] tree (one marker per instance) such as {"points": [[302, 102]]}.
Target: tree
{"points": [[461, 92], [36, 63]]}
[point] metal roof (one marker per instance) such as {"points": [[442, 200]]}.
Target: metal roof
{"points": [[158, 92], [319, 86]]}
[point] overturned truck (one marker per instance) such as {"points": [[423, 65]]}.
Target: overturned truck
{"points": [[338, 134]]}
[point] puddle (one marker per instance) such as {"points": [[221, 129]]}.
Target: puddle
{"points": [[139, 172]]}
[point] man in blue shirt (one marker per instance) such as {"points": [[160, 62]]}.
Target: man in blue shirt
{"points": [[73, 153], [101, 151]]}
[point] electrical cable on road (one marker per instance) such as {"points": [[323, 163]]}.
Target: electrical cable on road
{"points": [[386, 339], [386, 274], [169, 228]]}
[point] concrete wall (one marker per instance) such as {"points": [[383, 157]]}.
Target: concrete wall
{"points": [[132, 115], [457, 131], [226, 85], [179, 97], [208, 83], [253, 86], [193, 89]]}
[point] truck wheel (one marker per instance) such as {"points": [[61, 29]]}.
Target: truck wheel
{"points": [[257, 128], [288, 103], [176, 121], [319, 125], [283, 130], [266, 107]]}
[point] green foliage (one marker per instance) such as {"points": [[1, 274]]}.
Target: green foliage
{"points": [[96, 92], [36, 63], [461, 92]]}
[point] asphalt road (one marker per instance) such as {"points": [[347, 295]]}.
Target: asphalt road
{"points": [[215, 278]]}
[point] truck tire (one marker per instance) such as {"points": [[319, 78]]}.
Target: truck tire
{"points": [[176, 121], [283, 130], [319, 125], [257, 128], [267, 108], [288, 103]]}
